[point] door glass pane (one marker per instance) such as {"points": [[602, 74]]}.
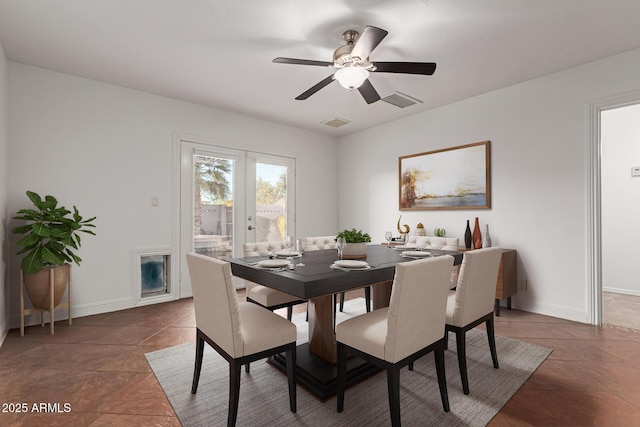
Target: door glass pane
{"points": [[213, 205], [271, 202]]}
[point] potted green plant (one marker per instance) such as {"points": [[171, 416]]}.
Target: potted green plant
{"points": [[51, 237], [356, 247]]}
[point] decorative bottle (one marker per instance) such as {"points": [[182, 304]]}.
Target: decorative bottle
{"points": [[467, 237], [486, 240], [477, 235]]}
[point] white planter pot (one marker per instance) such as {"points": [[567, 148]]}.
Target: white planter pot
{"points": [[355, 251]]}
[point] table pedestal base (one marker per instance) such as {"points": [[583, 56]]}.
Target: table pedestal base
{"points": [[319, 376]]}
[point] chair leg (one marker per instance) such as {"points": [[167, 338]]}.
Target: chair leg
{"points": [[247, 368], [492, 342], [438, 354], [234, 392], [462, 359], [291, 375], [367, 298], [446, 339], [411, 366], [341, 301], [289, 313], [342, 376], [393, 384], [198, 366]]}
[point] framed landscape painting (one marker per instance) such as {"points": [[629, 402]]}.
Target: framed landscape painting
{"points": [[450, 178]]}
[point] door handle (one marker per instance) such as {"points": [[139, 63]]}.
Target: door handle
{"points": [[250, 227]]}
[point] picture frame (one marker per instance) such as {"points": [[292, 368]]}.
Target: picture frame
{"points": [[450, 178]]}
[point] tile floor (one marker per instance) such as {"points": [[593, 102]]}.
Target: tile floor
{"points": [[97, 367], [621, 310]]}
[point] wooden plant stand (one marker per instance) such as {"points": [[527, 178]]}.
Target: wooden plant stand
{"points": [[51, 309]]}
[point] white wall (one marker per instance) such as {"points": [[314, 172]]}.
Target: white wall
{"points": [[620, 138], [109, 150], [539, 153], [4, 174]]}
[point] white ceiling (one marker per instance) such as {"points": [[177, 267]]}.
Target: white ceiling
{"points": [[219, 52]]}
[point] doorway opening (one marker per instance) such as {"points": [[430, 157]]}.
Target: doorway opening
{"points": [[595, 201], [620, 187]]}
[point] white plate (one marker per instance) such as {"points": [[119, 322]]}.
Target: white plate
{"points": [[273, 263], [416, 253], [286, 253], [349, 263], [403, 248]]}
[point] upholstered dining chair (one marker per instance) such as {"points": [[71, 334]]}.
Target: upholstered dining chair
{"points": [[239, 332], [329, 242], [472, 303], [396, 336], [269, 298]]}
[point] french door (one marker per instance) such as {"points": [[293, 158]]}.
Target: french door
{"points": [[229, 197]]}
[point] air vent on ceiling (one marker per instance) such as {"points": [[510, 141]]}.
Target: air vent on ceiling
{"points": [[401, 100], [336, 122]]}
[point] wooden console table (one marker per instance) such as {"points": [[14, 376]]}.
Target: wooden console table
{"points": [[507, 284]]}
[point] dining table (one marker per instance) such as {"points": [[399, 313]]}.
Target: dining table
{"points": [[315, 277]]}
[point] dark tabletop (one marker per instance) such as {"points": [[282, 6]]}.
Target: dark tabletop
{"points": [[316, 278]]}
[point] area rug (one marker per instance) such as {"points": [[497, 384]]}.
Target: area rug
{"points": [[264, 395]]}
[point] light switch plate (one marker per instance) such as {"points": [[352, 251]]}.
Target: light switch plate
{"points": [[635, 171]]}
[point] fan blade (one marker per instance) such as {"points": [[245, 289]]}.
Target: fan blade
{"points": [[304, 95], [302, 62], [427, 68], [368, 41], [368, 92]]}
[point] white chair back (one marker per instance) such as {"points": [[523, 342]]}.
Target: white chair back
{"points": [[319, 243], [417, 308], [216, 302], [441, 243], [476, 287], [263, 248]]}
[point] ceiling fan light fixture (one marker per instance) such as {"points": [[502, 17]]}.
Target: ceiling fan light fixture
{"points": [[351, 77]]}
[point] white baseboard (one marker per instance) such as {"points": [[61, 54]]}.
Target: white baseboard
{"points": [[622, 291], [76, 311], [3, 335], [559, 311], [154, 300]]}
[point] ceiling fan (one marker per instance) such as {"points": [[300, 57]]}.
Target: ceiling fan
{"points": [[353, 65]]}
